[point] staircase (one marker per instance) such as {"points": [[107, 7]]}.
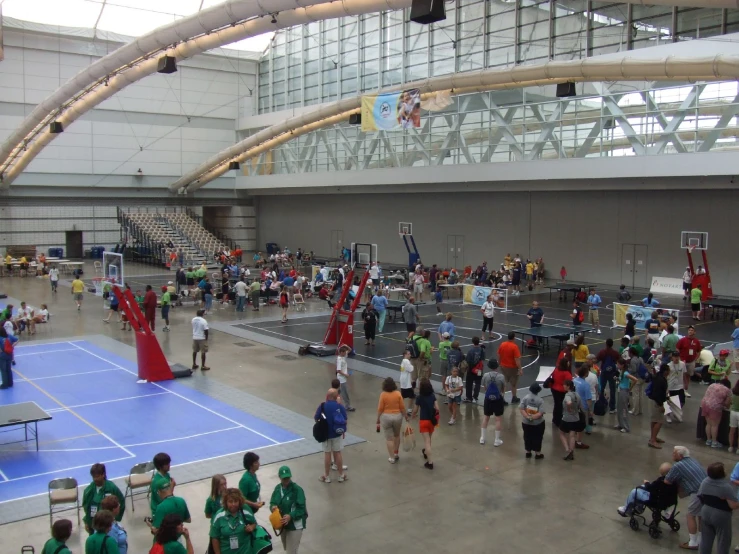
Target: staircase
{"points": [[193, 255]]}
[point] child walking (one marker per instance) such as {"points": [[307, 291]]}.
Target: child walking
{"points": [[438, 298], [406, 381], [453, 387], [342, 374], [284, 303]]}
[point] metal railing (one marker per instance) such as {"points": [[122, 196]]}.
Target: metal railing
{"points": [[479, 128]]}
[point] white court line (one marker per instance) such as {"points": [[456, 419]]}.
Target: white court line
{"points": [[5, 477], [107, 401], [180, 396], [184, 438], [66, 375], [43, 351], [58, 471]]}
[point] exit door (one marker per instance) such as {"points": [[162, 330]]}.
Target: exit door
{"points": [[73, 244], [634, 266], [455, 251], [337, 243]]}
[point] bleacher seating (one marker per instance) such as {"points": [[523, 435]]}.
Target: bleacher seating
{"points": [[205, 241]]}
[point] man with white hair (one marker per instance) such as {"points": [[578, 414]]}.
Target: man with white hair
{"points": [[688, 475]]}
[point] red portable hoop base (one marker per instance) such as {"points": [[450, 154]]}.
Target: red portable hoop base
{"points": [[705, 279]]}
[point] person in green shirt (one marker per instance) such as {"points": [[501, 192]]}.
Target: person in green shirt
{"points": [[168, 534], [696, 295], [422, 364], [200, 273], [635, 344], [161, 478], [100, 542], [166, 301], [96, 491], [444, 347], [60, 533], [254, 290], [720, 367], [669, 343], [232, 528], [249, 484], [289, 498], [218, 488], [169, 504]]}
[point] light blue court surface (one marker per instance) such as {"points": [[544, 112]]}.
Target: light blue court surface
{"points": [[101, 414]]}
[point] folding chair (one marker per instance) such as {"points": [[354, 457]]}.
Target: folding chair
{"points": [[139, 478], [298, 302], [63, 492]]}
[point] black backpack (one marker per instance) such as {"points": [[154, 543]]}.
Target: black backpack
{"points": [[320, 427], [412, 347]]}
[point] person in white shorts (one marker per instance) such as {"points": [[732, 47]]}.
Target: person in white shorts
{"points": [[418, 285]]}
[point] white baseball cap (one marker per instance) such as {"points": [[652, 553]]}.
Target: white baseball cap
{"points": [[445, 335]]}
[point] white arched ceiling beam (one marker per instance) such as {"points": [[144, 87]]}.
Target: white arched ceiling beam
{"points": [[220, 25], [714, 68]]}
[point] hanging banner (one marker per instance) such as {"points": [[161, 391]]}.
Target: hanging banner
{"points": [[666, 285], [390, 111], [640, 315], [479, 295]]}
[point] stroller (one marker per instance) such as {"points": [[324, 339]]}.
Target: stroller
{"points": [[662, 500]]}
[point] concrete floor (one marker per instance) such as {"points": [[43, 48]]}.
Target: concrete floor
{"points": [[476, 498]]}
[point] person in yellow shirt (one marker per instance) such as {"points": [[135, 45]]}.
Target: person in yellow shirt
{"points": [[9, 262], [24, 263], [78, 288], [580, 352], [529, 272]]}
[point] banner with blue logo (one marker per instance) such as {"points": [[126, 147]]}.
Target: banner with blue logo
{"points": [[641, 314], [393, 110]]}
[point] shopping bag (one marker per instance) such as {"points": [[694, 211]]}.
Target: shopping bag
{"points": [[275, 518], [673, 408], [409, 439]]}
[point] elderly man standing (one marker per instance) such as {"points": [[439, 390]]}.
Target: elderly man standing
{"points": [[688, 475]]}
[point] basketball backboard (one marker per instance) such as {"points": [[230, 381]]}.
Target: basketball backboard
{"points": [[405, 228], [363, 254], [693, 240], [113, 268]]}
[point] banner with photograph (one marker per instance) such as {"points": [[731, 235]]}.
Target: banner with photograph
{"points": [[479, 295], [641, 315], [390, 111]]}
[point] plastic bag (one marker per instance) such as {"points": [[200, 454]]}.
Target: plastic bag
{"points": [[409, 439]]}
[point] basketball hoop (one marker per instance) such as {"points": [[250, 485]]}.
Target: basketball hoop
{"points": [[100, 283], [691, 248]]}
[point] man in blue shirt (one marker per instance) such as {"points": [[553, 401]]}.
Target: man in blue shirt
{"points": [[336, 418], [735, 338], [379, 303], [582, 387], [535, 314], [447, 327], [650, 301], [687, 474], [594, 302]]}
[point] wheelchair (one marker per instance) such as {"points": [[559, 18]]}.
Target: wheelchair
{"points": [[661, 500]]}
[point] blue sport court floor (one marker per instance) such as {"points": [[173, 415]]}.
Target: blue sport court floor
{"points": [[101, 414]]}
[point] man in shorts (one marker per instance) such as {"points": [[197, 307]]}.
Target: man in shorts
{"points": [[493, 406], [509, 357], [199, 340], [689, 348], [78, 289], [417, 281], [336, 418], [410, 315], [696, 295], [688, 475]]}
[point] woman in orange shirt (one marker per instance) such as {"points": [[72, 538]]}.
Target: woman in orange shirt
{"points": [[390, 414]]}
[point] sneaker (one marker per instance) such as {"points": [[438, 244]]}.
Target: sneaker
{"points": [[391, 460], [709, 443], [409, 412], [581, 446], [539, 457], [687, 394], [452, 421], [428, 465], [570, 456], [482, 440], [515, 400], [497, 442], [598, 331], [717, 445], [622, 511], [623, 430], [735, 370], [612, 412], [336, 468], [528, 454], [324, 479], [445, 402], [343, 477], [351, 409], [668, 418]]}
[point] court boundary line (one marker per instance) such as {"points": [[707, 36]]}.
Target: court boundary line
{"points": [[27, 380], [44, 352], [57, 410], [177, 394]]}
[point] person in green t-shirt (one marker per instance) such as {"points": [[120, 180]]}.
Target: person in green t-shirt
{"points": [[218, 488], [60, 533], [169, 504], [161, 478], [168, 534], [669, 343], [166, 301], [720, 367], [249, 484], [696, 295], [444, 347], [289, 498], [96, 491], [232, 529], [254, 291], [100, 542]]}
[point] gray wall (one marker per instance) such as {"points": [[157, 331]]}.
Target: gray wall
{"points": [[584, 231]]}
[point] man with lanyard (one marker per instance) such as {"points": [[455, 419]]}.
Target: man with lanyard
{"points": [[689, 348], [652, 328], [594, 303]]}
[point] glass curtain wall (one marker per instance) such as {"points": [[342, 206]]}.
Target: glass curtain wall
{"points": [[329, 60]]}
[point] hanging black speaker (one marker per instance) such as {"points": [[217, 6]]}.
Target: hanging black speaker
{"points": [[55, 127], [427, 11], [565, 90], [355, 119], [167, 64]]}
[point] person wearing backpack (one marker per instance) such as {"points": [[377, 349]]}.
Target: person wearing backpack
{"points": [[657, 396], [100, 542], [166, 539], [7, 345], [60, 533], [336, 421], [475, 359], [577, 314], [493, 383], [289, 499], [533, 425]]}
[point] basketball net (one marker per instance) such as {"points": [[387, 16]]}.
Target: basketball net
{"points": [[690, 250]]}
